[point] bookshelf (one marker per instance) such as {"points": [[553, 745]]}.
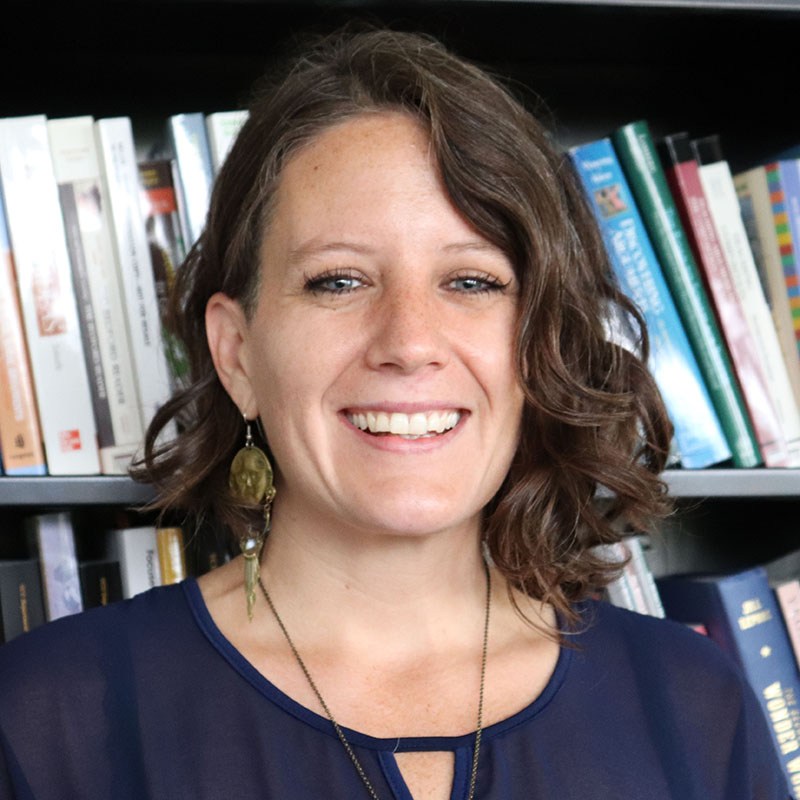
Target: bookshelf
{"points": [[592, 66]]}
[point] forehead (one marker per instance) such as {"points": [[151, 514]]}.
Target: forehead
{"points": [[371, 176]]}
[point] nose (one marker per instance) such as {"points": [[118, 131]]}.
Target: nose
{"points": [[408, 332]]}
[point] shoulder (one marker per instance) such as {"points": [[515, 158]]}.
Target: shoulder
{"points": [[70, 651], [671, 657]]}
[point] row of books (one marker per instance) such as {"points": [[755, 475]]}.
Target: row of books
{"points": [[709, 259], [89, 242], [754, 615], [54, 580]]}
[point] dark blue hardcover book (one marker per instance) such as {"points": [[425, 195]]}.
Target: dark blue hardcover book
{"points": [[21, 597], [698, 434], [741, 614]]}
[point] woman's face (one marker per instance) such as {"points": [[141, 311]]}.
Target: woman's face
{"points": [[380, 354]]}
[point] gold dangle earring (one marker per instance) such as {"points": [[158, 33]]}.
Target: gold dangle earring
{"points": [[251, 480]]}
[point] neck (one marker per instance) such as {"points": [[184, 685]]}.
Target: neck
{"points": [[346, 588]]}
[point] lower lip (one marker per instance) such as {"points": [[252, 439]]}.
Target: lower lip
{"points": [[397, 444]]}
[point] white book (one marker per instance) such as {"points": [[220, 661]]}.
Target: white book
{"points": [[84, 203], [223, 128], [652, 599], [188, 140], [47, 296], [723, 204], [136, 550], [55, 543], [129, 239], [621, 592]]}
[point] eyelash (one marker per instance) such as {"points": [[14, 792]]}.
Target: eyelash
{"points": [[316, 283], [484, 283]]}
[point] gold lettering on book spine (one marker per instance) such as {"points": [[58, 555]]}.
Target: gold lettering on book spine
{"points": [[23, 606], [783, 716]]}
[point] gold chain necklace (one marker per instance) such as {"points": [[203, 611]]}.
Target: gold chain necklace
{"points": [[340, 733]]}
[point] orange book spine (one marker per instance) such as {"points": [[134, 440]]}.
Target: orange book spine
{"points": [[20, 437]]}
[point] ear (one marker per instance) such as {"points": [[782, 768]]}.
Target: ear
{"points": [[226, 327]]}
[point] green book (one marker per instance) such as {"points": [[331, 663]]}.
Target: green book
{"points": [[637, 154]]}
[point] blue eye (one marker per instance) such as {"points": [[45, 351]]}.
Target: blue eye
{"points": [[333, 283], [476, 284]]}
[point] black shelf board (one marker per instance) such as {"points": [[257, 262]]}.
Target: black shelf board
{"points": [[53, 491]]}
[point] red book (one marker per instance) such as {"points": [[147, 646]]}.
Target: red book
{"points": [[683, 177]]}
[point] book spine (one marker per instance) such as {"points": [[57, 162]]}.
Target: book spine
{"points": [[740, 613], [121, 179], [223, 128], [788, 597], [136, 550], [21, 447], [637, 154], [162, 223], [652, 600], [790, 186], [697, 430], [55, 543], [47, 297], [21, 603], [86, 317], [85, 210], [189, 140], [101, 583], [754, 212], [687, 189], [171, 557]]}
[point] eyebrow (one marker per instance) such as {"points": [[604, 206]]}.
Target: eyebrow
{"points": [[314, 248], [477, 245]]}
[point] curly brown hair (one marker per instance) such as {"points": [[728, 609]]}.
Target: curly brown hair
{"points": [[593, 417]]}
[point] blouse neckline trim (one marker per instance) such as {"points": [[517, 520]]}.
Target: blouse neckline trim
{"points": [[262, 684]]}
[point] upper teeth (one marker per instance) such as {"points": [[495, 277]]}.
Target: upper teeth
{"points": [[405, 424]]}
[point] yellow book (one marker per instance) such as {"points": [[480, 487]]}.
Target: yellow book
{"points": [[171, 556]]}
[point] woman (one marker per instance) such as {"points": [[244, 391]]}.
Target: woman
{"points": [[401, 283]]}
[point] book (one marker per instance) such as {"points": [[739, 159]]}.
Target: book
{"points": [[790, 179], [121, 179], [21, 603], [188, 145], [638, 563], [683, 177], [54, 541], [698, 433], [84, 205], [101, 582], [21, 446], [727, 214], [171, 558], [47, 297], [741, 614], [637, 155], [164, 237], [763, 206], [787, 594], [627, 590], [223, 127], [136, 551]]}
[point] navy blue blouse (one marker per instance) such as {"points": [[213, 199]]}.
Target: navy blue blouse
{"points": [[147, 699]]}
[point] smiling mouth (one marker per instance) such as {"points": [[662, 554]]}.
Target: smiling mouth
{"points": [[420, 425]]}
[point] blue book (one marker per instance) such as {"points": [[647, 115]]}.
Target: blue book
{"points": [[698, 434], [188, 140], [741, 614]]}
